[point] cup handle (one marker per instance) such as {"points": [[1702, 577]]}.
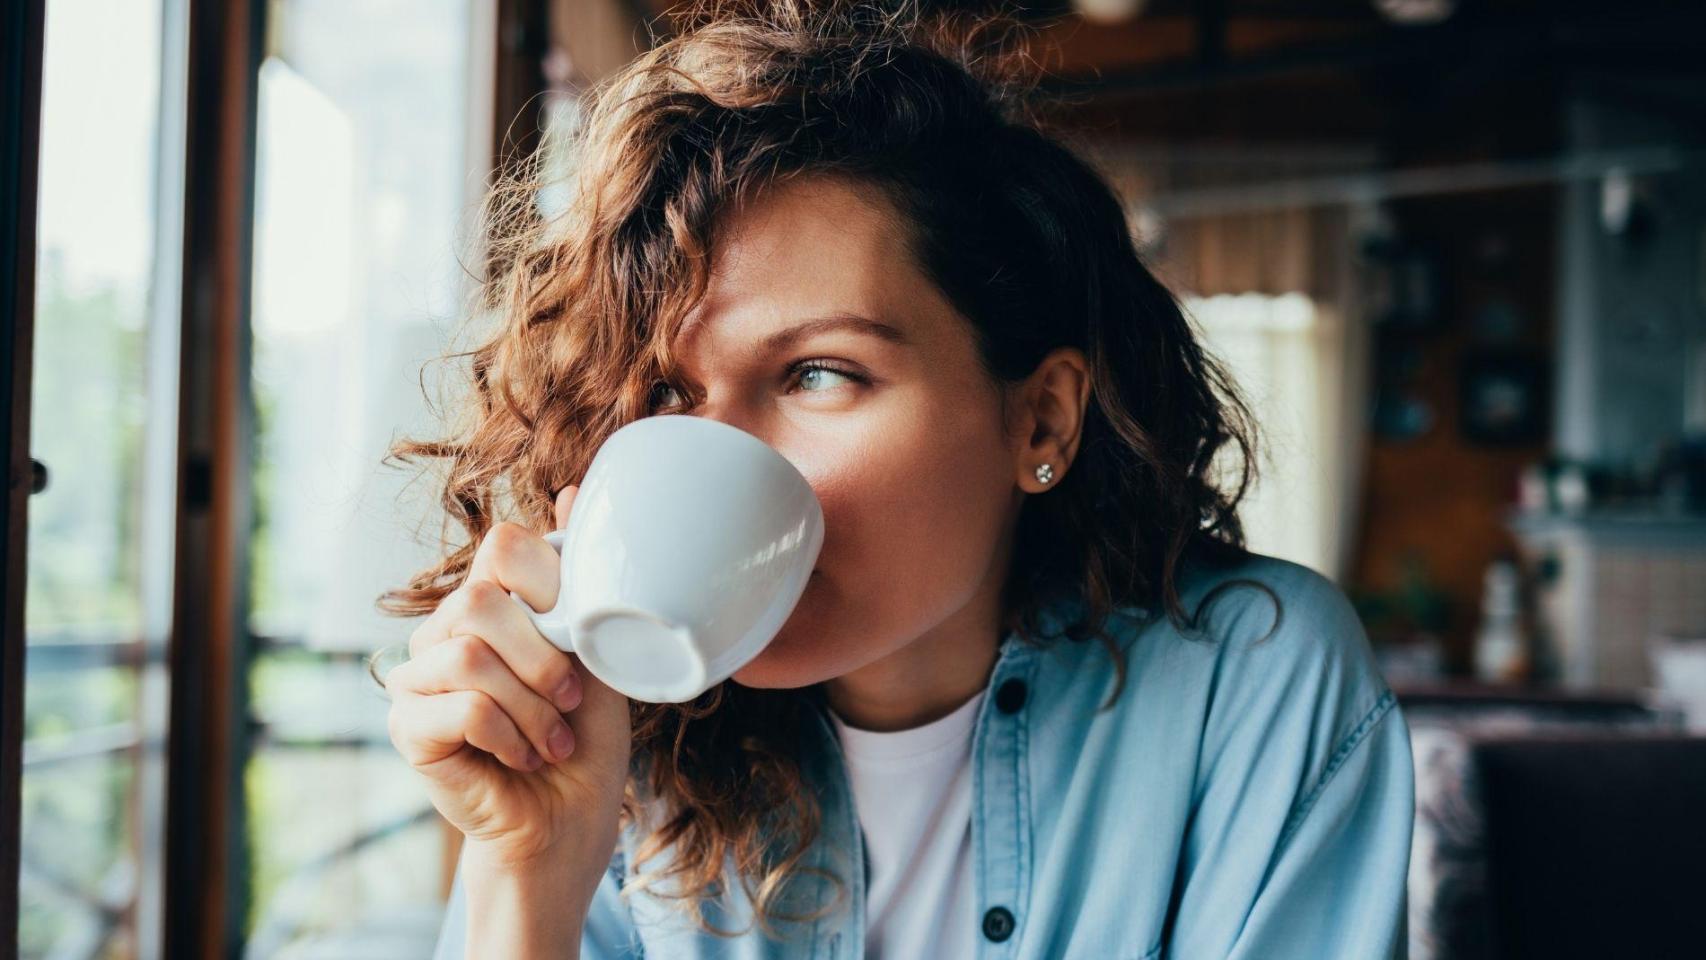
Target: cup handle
{"points": [[549, 622]]}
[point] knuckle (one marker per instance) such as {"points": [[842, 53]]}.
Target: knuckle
{"points": [[482, 596], [477, 710], [505, 538], [467, 655]]}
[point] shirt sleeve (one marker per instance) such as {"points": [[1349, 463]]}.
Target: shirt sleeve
{"points": [[1334, 886], [1300, 840], [609, 933]]}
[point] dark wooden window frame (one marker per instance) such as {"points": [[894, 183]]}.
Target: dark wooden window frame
{"points": [[21, 33], [207, 657]]}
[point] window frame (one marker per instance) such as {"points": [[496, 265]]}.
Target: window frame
{"points": [[208, 650], [21, 39]]}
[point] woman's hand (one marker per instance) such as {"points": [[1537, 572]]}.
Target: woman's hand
{"points": [[524, 751]]}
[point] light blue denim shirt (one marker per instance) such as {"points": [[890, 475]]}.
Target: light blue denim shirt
{"points": [[1238, 801]]}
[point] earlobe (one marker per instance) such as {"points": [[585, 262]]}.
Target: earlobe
{"points": [[1060, 393]]}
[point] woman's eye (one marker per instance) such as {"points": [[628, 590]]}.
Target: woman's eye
{"points": [[659, 390], [810, 374]]}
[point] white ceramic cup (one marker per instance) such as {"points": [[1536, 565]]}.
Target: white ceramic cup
{"points": [[688, 545]]}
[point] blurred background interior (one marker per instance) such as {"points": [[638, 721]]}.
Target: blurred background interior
{"points": [[1455, 250]]}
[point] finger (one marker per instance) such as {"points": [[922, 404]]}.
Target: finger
{"points": [[513, 557], [565, 501], [467, 662], [518, 559], [482, 609], [427, 729]]}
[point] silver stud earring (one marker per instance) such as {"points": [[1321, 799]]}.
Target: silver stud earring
{"points": [[1045, 473]]}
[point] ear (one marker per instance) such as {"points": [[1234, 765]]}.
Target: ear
{"points": [[1048, 417]]}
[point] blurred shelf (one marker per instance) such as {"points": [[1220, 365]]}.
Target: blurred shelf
{"points": [[1493, 694], [1626, 525]]}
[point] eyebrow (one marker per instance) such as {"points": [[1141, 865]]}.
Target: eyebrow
{"points": [[782, 339]]}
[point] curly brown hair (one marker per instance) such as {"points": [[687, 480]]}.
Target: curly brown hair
{"points": [[1027, 241]]}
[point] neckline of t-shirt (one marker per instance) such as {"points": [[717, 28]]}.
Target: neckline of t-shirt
{"points": [[930, 738]]}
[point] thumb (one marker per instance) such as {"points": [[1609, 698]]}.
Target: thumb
{"points": [[565, 499]]}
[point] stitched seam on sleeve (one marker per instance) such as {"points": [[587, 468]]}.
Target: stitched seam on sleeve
{"points": [[1349, 744]]}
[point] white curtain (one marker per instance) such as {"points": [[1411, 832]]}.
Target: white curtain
{"points": [[1299, 364]]}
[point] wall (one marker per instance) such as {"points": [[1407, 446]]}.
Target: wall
{"points": [[1440, 496]]}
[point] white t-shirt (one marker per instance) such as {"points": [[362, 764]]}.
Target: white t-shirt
{"points": [[912, 790]]}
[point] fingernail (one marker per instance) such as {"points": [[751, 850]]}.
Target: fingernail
{"points": [[560, 741], [532, 760], [568, 695]]}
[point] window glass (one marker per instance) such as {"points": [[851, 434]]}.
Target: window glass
{"points": [[103, 421], [369, 157]]}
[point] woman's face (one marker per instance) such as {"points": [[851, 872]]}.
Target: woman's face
{"points": [[901, 437]]}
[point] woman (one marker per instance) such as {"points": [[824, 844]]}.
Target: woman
{"points": [[1037, 699]]}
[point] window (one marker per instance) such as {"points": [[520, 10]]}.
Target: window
{"points": [[369, 159], [103, 421]]}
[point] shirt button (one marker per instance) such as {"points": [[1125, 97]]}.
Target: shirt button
{"points": [[998, 924], [1010, 696]]}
